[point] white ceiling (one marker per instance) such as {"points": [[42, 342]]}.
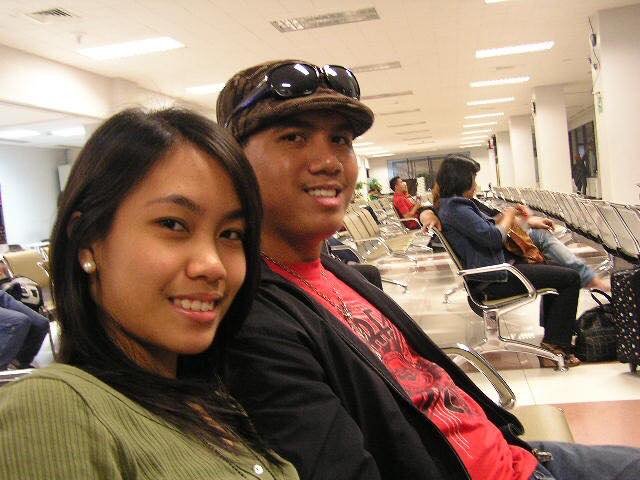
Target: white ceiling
{"points": [[434, 40]]}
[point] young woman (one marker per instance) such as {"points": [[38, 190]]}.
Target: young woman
{"points": [[156, 241], [478, 240]]}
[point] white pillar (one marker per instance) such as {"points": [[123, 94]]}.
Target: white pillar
{"points": [[552, 139], [524, 169], [505, 159], [617, 102]]}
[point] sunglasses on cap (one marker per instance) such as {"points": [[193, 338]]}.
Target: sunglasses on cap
{"points": [[293, 80]]}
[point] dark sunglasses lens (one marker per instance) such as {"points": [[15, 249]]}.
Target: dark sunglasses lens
{"points": [[294, 80], [342, 81]]}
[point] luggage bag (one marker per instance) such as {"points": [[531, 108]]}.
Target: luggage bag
{"points": [[625, 290]]}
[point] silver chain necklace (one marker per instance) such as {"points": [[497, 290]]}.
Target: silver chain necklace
{"points": [[342, 308]]}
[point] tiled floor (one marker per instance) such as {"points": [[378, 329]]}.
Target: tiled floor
{"points": [[608, 390]]}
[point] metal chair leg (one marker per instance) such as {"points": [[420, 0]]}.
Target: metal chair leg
{"points": [[395, 282], [450, 292], [494, 342]]}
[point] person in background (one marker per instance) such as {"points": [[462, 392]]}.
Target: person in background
{"points": [[154, 254], [335, 375], [479, 242], [540, 231], [579, 174], [22, 332], [406, 206]]}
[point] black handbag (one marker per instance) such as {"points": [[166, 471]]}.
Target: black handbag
{"points": [[596, 333]]}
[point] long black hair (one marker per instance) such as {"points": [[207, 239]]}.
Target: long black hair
{"points": [[455, 175], [114, 160]]}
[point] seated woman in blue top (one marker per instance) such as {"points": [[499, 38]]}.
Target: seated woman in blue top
{"points": [[478, 240]]}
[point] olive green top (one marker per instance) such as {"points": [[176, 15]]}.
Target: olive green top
{"points": [[63, 423]]}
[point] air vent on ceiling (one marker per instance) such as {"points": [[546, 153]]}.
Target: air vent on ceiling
{"points": [[51, 15], [414, 131], [407, 124], [421, 142], [376, 67], [326, 20], [398, 112], [417, 138], [386, 95]]}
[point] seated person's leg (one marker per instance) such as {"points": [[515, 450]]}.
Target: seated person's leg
{"points": [[572, 461], [557, 252], [35, 325], [559, 310], [14, 327]]}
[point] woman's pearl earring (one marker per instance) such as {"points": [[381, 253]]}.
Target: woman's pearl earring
{"points": [[89, 266]]}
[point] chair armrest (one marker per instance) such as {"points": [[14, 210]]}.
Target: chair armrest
{"points": [[338, 248], [531, 291]]}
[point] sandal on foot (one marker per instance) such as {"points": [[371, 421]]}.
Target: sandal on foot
{"points": [[570, 360]]}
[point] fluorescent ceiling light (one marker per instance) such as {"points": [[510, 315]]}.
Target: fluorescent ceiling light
{"points": [[485, 115], [472, 145], [491, 100], [17, 133], [473, 132], [474, 125], [362, 144], [372, 151], [514, 49], [205, 89], [500, 81], [131, 49], [383, 155], [495, 1], [78, 131]]}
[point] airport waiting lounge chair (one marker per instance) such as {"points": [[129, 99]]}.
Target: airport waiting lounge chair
{"points": [[493, 310]]}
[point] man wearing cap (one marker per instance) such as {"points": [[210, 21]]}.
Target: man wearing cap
{"points": [[335, 375]]}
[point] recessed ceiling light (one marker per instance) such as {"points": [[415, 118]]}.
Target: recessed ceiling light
{"points": [[514, 49], [205, 89], [495, 1], [472, 145], [383, 155], [17, 133], [325, 20], [77, 131], [491, 100], [473, 132], [484, 115], [131, 49], [499, 81], [376, 67], [474, 125]]}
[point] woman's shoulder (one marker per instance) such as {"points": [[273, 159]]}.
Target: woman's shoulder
{"points": [[57, 386]]}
